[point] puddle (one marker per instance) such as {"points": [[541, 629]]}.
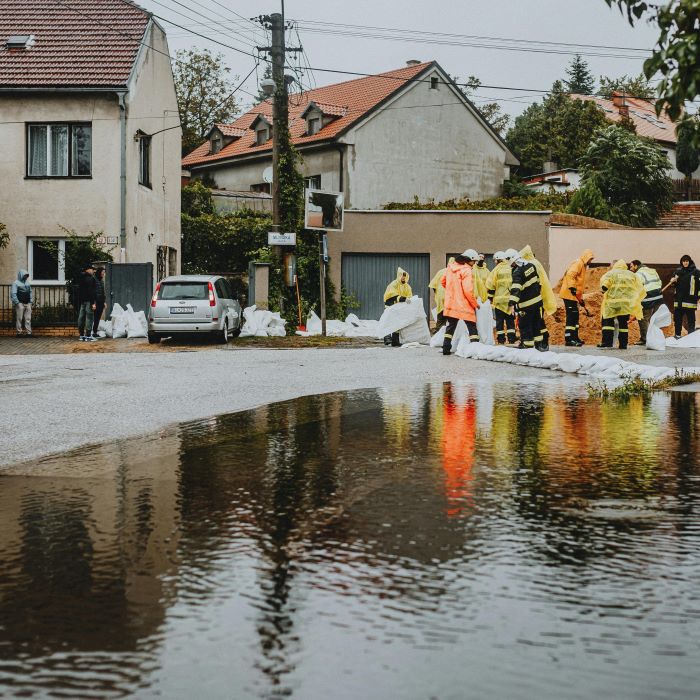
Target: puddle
{"points": [[450, 541]]}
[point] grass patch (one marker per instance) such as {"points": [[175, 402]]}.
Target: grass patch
{"points": [[297, 341], [634, 385]]}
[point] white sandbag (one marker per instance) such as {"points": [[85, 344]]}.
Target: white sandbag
{"points": [[692, 340], [569, 363], [105, 327], [417, 332], [485, 323], [655, 336], [250, 326], [400, 315], [460, 331], [134, 323]]}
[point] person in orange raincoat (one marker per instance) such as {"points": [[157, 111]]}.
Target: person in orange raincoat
{"points": [[460, 300], [572, 288]]}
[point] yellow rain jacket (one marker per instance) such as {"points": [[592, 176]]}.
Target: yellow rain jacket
{"points": [[624, 292], [498, 285], [575, 277], [549, 301], [436, 286], [397, 288], [480, 275]]}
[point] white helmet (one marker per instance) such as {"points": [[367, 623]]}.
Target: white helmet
{"points": [[511, 254], [499, 255], [470, 254]]}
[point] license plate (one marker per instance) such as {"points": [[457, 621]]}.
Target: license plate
{"points": [[182, 309]]}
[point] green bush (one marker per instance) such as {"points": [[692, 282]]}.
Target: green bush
{"points": [[530, 201]]}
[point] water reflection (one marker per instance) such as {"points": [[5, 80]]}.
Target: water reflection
{"points": [[457, 540]]}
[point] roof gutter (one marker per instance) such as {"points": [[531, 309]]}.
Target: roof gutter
{"points": [[21, 90]]}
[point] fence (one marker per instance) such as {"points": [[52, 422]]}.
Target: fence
{"points": [[52, 305], [680, 190]]}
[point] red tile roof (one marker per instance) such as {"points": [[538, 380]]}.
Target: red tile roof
{"points": [[229, 130], [351, 100], [78, 43], [642, 113]]}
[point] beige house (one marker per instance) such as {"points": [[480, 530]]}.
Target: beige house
{"points": [[381, 138], [89, 135]]}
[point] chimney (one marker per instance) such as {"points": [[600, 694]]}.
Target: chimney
{"points": [[413, 62], [618, 99], [550, 166]]}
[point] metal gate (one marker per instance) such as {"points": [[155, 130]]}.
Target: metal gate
{"points": [[366, 275], [130, 283]]}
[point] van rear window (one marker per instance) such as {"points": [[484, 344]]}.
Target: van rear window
{"points": [[184, 290]]}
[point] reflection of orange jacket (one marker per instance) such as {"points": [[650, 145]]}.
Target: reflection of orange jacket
{"points": [[458, 437], [459, 292]]}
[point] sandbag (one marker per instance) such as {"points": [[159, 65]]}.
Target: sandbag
{"points": [[485, 323], [655, 337], [136, 324], [400, 316], [119, 322], [692, 340], [417, 332]]}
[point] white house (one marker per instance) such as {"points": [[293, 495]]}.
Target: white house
{"points": [[89, 135], [389, 137]]}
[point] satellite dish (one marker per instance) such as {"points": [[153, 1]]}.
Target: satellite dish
{"points": [[267, 174]]}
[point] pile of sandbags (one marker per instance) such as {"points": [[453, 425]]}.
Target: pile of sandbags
{"points": [[124, 323], [408, 319], [351, 327], [262, 323], [692, 340]]}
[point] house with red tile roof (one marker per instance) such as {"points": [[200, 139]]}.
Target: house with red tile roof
{"points": [[389, 137], [89, 135]]}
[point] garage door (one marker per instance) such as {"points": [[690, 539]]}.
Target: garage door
{"points": [[365, 276]]}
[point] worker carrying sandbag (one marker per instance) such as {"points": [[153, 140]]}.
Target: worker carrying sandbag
{"points": [[397, 291], [572, 287], [549, 301], [460, 300], [686, 279], [436, 286], [481, 274], [526, 301], [622, 298], [653, 297], [498, 290]]}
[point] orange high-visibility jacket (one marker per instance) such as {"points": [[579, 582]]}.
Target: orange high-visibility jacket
{"points": [[575, 277], [459, 292]]}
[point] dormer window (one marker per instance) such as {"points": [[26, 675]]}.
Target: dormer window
{"points": [[216, 142], [314, 125], [319, 114], [262, 128], [20, 41], [262, 136]]}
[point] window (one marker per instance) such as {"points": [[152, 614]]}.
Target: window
{"points": [[261, 136], [314, 126], [221, 290], [173, 291], [145, 160], [261, 187], [216, 143], [434, 83], [46, 259], [313, 182], [59, 150]]}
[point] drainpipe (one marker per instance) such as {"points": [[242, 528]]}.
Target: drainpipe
{"points": [[122, 176], [341, 167]]}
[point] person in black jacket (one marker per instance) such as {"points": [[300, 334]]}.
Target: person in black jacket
{"points": [[526, 300], [99, 299], [87, 300], [686, 279]]}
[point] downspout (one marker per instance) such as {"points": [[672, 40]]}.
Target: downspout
{"points": [[341, 168], [122, 176]]}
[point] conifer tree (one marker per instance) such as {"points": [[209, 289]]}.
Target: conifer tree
{"points": [[581, 80]]}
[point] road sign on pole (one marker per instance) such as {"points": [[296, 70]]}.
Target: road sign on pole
{"points": [[275, 238]]}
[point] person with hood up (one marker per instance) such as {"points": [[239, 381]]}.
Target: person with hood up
{"points": [[653, 298], [572, 288], [498, 289], [526, 301], [87, 301], [686, 279], [622, 297], [549, 301], [460, 300], [481, 274], [397, 291], [22, 297], [436, 286]]}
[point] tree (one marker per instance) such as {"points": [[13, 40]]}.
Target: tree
{"points": [[631, 86], [491, 111], [4, 236], [588, 200], [204, 94], [557, 129], [631, 173], [687, 156], [676, 53], [267, 75], [581, 80]]}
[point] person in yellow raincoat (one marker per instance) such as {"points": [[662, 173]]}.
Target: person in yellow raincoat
{"points": [[397, 291], [572, 288], [549, 301], [436, 286], [622, 297], [480, 274], [498, 286]]}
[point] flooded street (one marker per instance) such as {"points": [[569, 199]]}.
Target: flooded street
{"points": [[468, 540]]}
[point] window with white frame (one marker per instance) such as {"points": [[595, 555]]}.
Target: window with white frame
{"points": [[59, 150], [313, 182], [145, 160], [46, 258]]}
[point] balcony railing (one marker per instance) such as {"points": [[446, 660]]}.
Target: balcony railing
{"points": [[53, 305]]}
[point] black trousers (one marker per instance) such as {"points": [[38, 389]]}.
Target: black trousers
{"points": [[97, 315], [572, 320], [507, 320], [531, 322], [622, 330], [679, 313], [450, 331]]}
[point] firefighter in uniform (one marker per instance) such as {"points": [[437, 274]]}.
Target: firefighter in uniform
{"points": [[549, 301], [498, 290], [460, 300], [436, 286], [526, 301], [686, 279], [622, 298], [397, 292], [653, 298], [572, 288], [481, 274]]}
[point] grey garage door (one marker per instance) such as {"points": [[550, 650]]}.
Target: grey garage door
{"points": [[366, 275]]}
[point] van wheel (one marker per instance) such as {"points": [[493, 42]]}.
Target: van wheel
{"points": [[153, 339], [224, 334]]}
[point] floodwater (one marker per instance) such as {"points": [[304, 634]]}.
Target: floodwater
{"points": [[443, 541]]}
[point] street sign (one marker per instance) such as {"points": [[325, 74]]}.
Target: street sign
{"points": [[274, 238]]}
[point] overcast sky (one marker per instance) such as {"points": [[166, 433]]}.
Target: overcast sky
{"points": [[495, 23]]}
